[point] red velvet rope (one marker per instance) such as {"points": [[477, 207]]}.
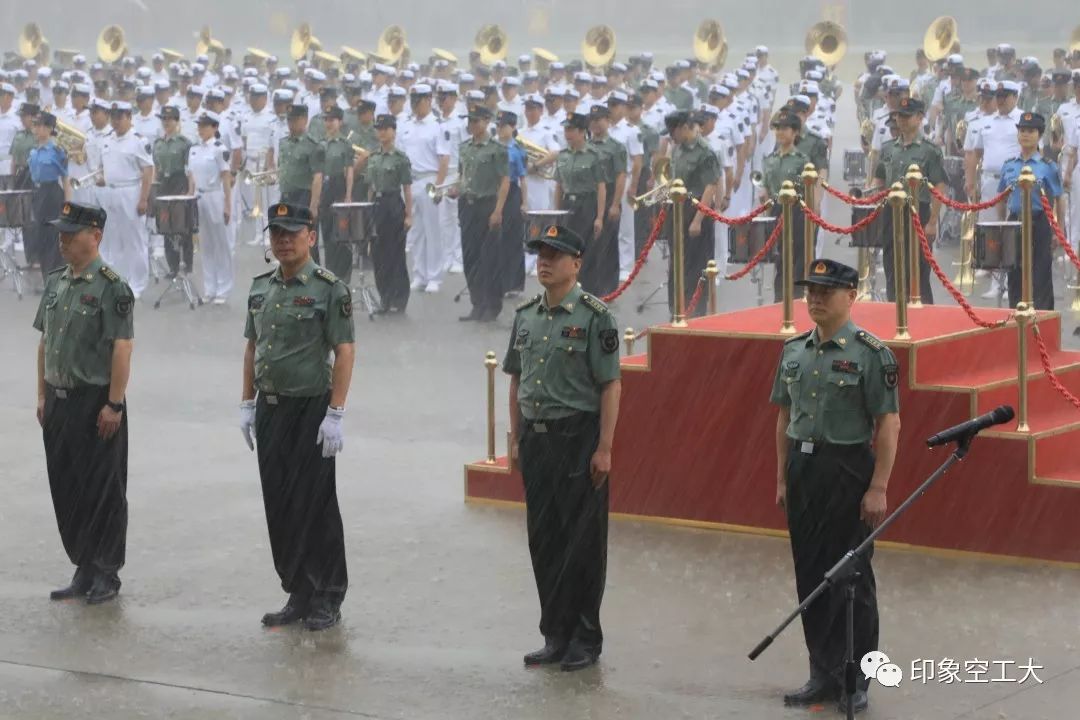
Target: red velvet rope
{"points": [[956, 294], [1048, 209], [760, 253], [696, 297], [640, 262], [741, 220], [1044, 356], [852, 200], [968, 207], [839, 230]]}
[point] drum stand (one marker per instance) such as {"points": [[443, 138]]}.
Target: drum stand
{"points": [[180, 282], [10, 268], [362, 290]]}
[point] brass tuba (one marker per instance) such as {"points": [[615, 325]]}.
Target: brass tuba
{"points": [[492, 43], [206, 44], [537, 155], [1074, 40], [111, 44], [33, 45], [391, 44], [827, 41], [170, 55], [598, 47], [301, 41], [72, 141], [942, 38], [543, 59], [709, 42]]}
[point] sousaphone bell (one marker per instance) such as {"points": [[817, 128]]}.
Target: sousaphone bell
{"points": [[391, 44], [492, 43], [33, 45], [827, 41], [598, 47], [942, 38], [710, 43], [111, 44]]}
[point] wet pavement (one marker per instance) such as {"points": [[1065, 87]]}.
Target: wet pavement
{"points": [[442, 603]]}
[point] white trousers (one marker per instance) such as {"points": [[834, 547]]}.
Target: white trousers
{"points": [[215, 245], [626, 239], [449, 229], [1074, 210], [424, 238], [989, 189], [125, 240], [540, 195]]}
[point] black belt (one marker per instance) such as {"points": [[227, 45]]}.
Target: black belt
{"points": [[53, 183], [558, 424], [388, 193], [470, 199], [64, 393], [818, 447], [582, 197]]}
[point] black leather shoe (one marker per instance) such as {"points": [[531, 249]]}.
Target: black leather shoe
{"points": [[322, 616], [817, 689], [292, 612], [551, 653], [103, 590], [473, 316], [488, 316], [577, 658], [80, 585], [862, 701]]}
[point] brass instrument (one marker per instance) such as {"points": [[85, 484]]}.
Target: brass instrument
{"points": [[598, 47], [207, 44], [438, 192], [91, 179], [966, 274], [261, 179], [492, 43], [757, 179], [661, 191], [257, 57], [391, 44], [543, 59], [72, 141], [111, 45], [170, 55], [1074, 40], [537, 155], [324, 60], [65, 57], [960, 133], [352, 55], [33, 45], [301, 41], [709, 42], [827, 41], [446, 55], [942, 38]]}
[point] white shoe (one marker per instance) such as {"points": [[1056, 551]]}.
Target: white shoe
{"points": [[218, 301], [159, 252], [980, 273], [456, 268], [993, 292], [417, 284], [255, 241], [432, 287], [623, 277]]}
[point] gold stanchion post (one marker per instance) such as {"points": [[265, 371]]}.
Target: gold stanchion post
{"points": [[1025, 315], [914, 180], [809, 180], [711, 271], [490, 363], [628, 338], [788, 197], [678, 252], [898, 203], [1026, 181]]}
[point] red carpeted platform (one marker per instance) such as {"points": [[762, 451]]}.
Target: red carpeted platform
{"points": [[695, 437]]}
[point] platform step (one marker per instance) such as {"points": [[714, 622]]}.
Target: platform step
{"points": [[1055, 460], [1048, 411]]}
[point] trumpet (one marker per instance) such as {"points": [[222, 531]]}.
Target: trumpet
{"points": [[91, 179], [438, 192], [261, 179], [661, 192], [757, 179]]}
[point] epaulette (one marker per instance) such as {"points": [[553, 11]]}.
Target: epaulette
{"points": [[800, 336], [869, 340], [594, 304], [109, 274], [326, 275], [529, 303], [57, 270], [268, 273]]}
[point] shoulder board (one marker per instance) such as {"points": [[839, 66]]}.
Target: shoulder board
{"points": [[800, 336], [326, 275], [528, 303], [869, 340], [266, 274], [109, 274], [594, 304], [56, 270]]}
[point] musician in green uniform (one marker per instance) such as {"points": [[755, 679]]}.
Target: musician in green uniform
{"points": [[836, 438], [580, 186], [362, 132], [84, 361], [786, 162], [170, 172], [963, 98], [389, 176], [21, 145], [337, 187], [317, 124], [600, 266], [301, 163], [650, 143], [563, 363]]}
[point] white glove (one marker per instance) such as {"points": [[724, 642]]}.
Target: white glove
{"points": [[247, 422], [330, 434]]}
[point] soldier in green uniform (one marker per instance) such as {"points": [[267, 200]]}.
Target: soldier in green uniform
{"points": [[836, 438], [694, 162], [362, 132], [579, 182], [786, 162], [563, 362], [337, 187], [912, 148], [600, 266], [84, 360], [170, 172], [389, 175], [327, 100], [676, 94], [300, 166], [298, 314], [21, 145], [955, 105], [483, 185], [650, 143]]}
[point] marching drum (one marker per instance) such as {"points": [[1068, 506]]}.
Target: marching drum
{"points": [[746, 241], [7, 182], [854, 166], [540, 219], [873, 235], [176, 214], [352, 221], [954, 173], [997, 245], [15, 208]]}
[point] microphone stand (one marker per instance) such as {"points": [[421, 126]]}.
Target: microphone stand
{"points": [[843, 574]]}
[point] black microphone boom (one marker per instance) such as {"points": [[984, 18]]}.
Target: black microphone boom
{"points": [[1000, 414]]}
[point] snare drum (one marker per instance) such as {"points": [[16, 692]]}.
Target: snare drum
{"points": [[997, 245], [540, 219], [15, 208], [746, 241], [352, 221], [854, 166], [176, 214], [873, 235]]}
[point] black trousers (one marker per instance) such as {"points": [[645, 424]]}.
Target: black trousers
{"points": [[339, 258], [480, 253], [512, 262], [824, 495], [644, 217], [46, 202], [600, 264], [87, 478], [303, 199], [300, 497], [798, 250], [567, 522], [1042, 264], [388, 251], [177, 247], [925, 291], [697, 251]]}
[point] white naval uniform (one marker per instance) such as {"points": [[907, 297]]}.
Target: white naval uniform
{"points": [[998, 140], [206, 162], [418, 139], [452, 132], [722, 142], [516, 106], [124, 242], [540, 191], [189, 128], [10, 124], [630, 138], [1072, 143], [257, 130], [149, 126]]}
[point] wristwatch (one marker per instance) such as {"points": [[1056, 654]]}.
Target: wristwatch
{"points": [[115, 407]]}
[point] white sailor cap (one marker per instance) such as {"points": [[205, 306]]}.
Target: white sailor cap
{"points": [[316, 75], [1004, 47], [650, 84], [682, 64], [804, 99], [208, 116], [466, 78], [81, 88], [475, 95], [750, 61], [526, 58], [230, 74], [248, 82], [7, 88], [364, 77], [808, 87], [742, 74], [721, 90], [955, 59], [530, 75], [407, 75], [228, 69], [730, 81], [533, 99], [100, 104], [420, 89], [79, 59], [198, 68], [20, 75], [618, 67], [282, 72], [45, 72], [384, 69], [226, 91], [618, 96], [499, 65], [709, 110], [272, 60], [348, 79], [145, 91], [157, 57], [120, 106], [761, 50], [657, 76], [283, 95], [415, 67], [1009, 86], [647, 55], [815, 75], [511, 80], [599, 79], [196, 90], [142, 73], [293, 84], [582, 76], [557, 66], [447, 88], [215, 94], [440, 63], [397, 91], [184, 72], [67, 75], [571, 92], [61, 86], [251, 72]]}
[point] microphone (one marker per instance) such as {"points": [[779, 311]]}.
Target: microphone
{"points": [[1000, 414]]}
